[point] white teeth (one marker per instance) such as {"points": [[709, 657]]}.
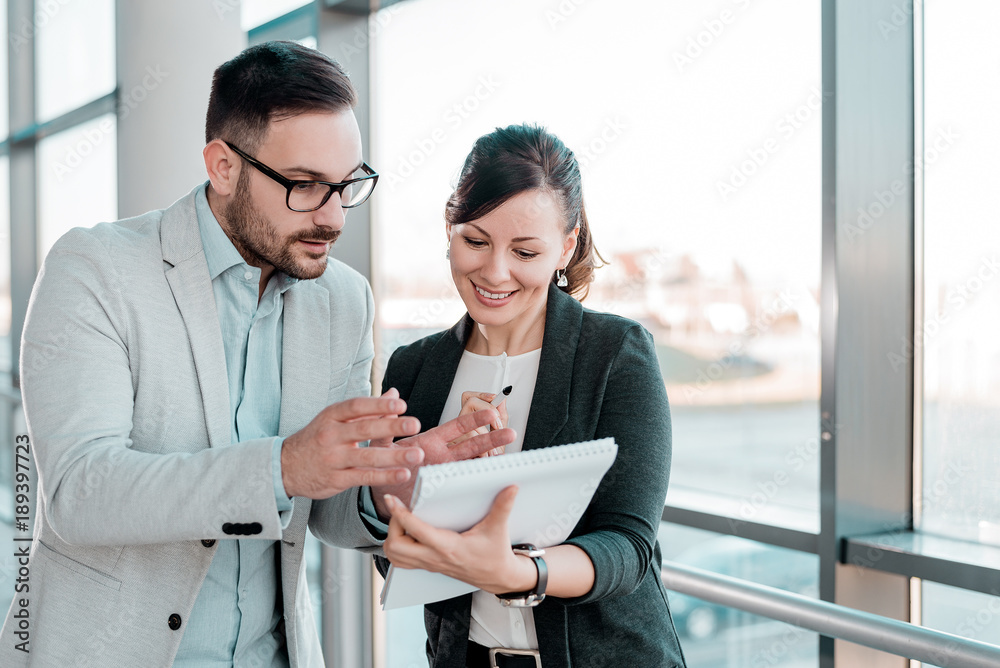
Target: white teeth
{"points": [[490, 295]]}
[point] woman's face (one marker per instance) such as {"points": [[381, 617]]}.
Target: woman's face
{"points": [[503, 262]]}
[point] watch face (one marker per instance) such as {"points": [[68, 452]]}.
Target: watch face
{"points": [[522, 601], [527, 549]]}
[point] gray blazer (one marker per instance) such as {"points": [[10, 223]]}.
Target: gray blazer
{"points": [[127, 403]]}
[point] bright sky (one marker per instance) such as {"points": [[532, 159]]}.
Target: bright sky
{"points": [[673, 130]]}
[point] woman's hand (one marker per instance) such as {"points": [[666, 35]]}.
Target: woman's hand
{"points": [[480, 556], [477, 401]]}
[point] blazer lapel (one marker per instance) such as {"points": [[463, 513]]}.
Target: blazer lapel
{"points": [[550, 402], [192, 290], [305, 365]]}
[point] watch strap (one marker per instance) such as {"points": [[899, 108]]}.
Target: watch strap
{"points": [[527, 599]]}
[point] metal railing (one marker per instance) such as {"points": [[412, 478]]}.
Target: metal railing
{"points": [[828, 619]]}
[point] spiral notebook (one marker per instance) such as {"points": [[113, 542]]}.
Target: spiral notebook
{"points": [[555, 486]]}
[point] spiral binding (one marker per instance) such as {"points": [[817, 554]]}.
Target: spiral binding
{"points": [[554, 453]]}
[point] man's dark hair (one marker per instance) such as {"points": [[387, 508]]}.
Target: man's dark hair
{"points": [[271, 81]]}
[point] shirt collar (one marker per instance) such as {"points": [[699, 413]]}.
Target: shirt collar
{"points": [[220, 253]]}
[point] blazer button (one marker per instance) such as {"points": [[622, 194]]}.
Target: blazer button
{"points": [[174, 621], [208, 542]]}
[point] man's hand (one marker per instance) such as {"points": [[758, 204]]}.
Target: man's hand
{"points": [[439, 446], [324, 459]]}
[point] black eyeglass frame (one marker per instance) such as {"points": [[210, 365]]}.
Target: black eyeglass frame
{"points": [[370, 174]]}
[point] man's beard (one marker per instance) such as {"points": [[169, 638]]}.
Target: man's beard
{"points": [[256, 240]]}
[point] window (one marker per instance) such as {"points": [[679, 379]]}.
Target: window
{"points": [[964, 613], [77, 180], [255, 13], [9, 565], [16, 45], [713, 635], [5, 305], [958, 341], [85, 30], [694, 205], [701, 162]]}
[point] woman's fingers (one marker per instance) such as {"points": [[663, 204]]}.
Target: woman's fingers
{"points": [[410, 542]]}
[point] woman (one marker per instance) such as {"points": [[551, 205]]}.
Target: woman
{"points": [[519, 247]]}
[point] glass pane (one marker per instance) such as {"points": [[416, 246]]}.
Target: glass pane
{"points": [[14, 43], [965, 613], [254, 13], [86, 30], [5, 303], [714, 636], [8, 565], [711, 116], [77, 179], [314, 576], [715, 244], [405, 627], [958, 341]]}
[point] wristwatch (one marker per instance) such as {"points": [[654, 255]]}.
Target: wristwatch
{"points": [[528, 599]]}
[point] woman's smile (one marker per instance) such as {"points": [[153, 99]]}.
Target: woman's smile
{"points": [[493, 299]]}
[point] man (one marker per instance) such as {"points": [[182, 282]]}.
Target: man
{"points": [[184, 375]]}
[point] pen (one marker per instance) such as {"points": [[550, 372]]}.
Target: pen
{"points": [[501, 395], [497, 400]]}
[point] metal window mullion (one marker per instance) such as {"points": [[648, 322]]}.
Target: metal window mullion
{"points": [[916, 587], [23, 171], [871, 430], [881, 554], [769, 534], [827, 540], [35, 132], [293, 26], [348, 615]]}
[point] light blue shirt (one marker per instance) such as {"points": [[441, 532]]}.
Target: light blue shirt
{"points": [[238, 609]]}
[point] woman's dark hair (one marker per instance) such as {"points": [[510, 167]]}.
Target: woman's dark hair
{"points": [[271, 81], [516, 159]]}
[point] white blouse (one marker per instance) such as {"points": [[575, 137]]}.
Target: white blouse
{"points": [[494, 625]]}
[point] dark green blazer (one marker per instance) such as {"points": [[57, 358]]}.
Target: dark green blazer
{"points": [[598, 376]]}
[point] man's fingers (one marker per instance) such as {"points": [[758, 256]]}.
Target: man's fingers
{"points": [[362, 477], [369, 429], [377, 458], [483, 443], [362, 407]]}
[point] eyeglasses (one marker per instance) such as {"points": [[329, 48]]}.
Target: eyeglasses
{"points": [[303, 196]]}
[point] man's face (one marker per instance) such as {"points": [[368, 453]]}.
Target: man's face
{"points": [[315, 146]]}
